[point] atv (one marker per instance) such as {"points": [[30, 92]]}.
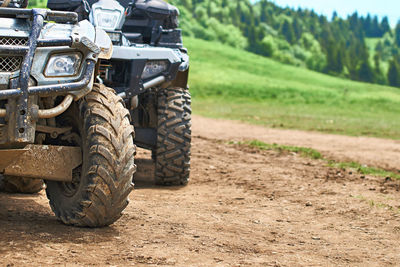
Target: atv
{"points": [[56, 123], [149, 69]]}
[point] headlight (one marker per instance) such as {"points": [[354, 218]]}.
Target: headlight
{"points": [[63, 65], [107, 14], [153, 68], [107, 19]]}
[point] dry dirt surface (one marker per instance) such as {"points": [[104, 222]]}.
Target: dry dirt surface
{"points": [[243, 207]]}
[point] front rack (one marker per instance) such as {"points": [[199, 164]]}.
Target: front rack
{"points": [[49, 15]]}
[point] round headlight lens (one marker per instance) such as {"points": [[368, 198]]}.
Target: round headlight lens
{"points": [[63, 65]]}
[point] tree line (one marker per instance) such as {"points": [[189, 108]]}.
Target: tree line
{"points": [[337, 46]]}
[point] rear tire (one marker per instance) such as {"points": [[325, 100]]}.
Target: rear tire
{"points": [[172, 154], [14, 184], [101, 185]]}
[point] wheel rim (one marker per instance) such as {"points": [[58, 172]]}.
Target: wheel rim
{"points": [[70, 188]]}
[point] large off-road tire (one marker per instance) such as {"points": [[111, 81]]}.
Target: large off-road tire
{"points": [[172, 154], [101, 185], [14, 184]]}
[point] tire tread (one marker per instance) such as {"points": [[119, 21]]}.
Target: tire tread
{"points": [[110, 165], [173, 137]]}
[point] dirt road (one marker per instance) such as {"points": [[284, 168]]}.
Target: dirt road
{"points": [[242, 208], [366, 150]]}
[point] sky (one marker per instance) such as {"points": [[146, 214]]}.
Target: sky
{"points": [[390, 8]]}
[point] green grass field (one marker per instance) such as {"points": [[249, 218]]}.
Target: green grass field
{"points": [[234, 84]]}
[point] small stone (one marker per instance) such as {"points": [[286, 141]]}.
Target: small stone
{"points": [[308, 204], [316, 238]]}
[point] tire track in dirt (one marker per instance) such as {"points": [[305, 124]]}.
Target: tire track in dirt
{"points": [[242, 207]]}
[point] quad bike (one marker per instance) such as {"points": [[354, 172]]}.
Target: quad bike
{"points": [[56, 124], [149, 70]]}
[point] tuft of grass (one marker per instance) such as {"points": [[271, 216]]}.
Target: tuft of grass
{"points": [[314, 154], [372, 203], [363, 169], [303, 151]]}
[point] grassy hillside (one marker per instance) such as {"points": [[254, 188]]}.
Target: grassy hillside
{"points": [[234, 84]]}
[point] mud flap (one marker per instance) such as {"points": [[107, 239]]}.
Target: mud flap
{"points": [[41, 162]]}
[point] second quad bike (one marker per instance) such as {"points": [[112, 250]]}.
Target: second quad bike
{"points": [[149, 69], [56, 123]]}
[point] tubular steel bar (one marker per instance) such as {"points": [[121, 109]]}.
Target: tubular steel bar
{"points": [[15, 11], [45, 90], [54, 42], [53, 112], [10, 93], [13, 50], [24, 127], [61, 16], [57, 16], [154, 82]]}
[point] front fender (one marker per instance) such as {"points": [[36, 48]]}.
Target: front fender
{"points": [[104, 42]]}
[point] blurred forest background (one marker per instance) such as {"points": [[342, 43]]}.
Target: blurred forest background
{"points": [[359, 48]]}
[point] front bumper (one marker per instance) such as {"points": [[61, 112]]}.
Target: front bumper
{"points": [[139, 55]]}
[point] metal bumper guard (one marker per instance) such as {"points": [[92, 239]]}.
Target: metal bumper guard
{"points": [[23, 120]]}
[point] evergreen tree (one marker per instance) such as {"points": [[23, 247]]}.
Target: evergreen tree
{"points": [[377, 62], [367, 26], [365, 72], [334, 15], [375, 29], [297, 28], [385, 27], [379, 76], [354, 22], [379, 47], [288, 32], [334, 59], [264, 17], [394, 73], [397, 34]]}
